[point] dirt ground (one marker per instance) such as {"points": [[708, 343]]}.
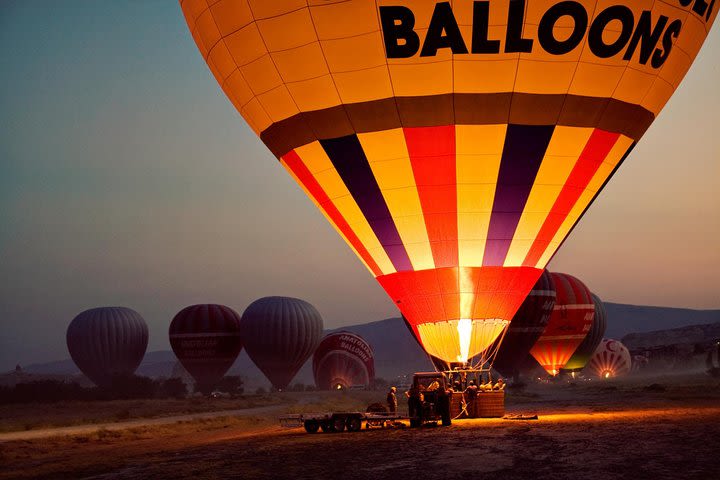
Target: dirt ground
{"points": [[639, 428]]}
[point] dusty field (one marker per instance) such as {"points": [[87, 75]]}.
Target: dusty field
{"points": [[590, 430], [62, 414]]}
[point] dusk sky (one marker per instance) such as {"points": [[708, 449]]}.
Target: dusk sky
{"points": [[127, 178]]}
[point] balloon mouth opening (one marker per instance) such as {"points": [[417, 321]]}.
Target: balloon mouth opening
{"points": [[458, 341]]}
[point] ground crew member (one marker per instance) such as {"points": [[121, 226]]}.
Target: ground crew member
{"points": [[471, 393], [392, 400]]}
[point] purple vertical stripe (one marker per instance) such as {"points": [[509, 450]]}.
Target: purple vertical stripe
{"points": [[524, 149], [348, 158]]}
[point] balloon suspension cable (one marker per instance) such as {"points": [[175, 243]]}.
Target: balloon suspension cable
{"points": [[487, 357]]}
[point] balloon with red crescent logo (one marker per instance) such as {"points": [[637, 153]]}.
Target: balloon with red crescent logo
{"points": [[611, 359]]}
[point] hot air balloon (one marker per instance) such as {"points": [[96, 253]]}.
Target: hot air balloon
{"points": [[591, 341], [343, 360], [526, 327], [280, 334], [107, 342], [206, 339], [611, 359], [569, 324], [453, 145]]}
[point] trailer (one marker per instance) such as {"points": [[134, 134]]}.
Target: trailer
{"points": [[335, 422]]}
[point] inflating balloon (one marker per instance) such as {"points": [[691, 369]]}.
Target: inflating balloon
{"points": [[584, 351], [343, 360], [453, 145], [280, 334], [206, 340], [107, 342], [611, 359], [569, 324], [526, 327]]}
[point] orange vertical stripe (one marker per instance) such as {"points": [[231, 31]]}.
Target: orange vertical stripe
{"points": [[432, 155], [598, 146], [293, 161]]}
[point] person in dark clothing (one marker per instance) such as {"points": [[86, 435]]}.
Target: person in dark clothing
{"points": [[415, 401], [444, 396], [392, 401], [471, 393]]}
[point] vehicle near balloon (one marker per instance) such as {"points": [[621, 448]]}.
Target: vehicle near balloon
{"points": [[453, 145], [107, 342], [280, 334], [611, 359], [343, 360], [526, 327], [584, 351], [569, 324], [206, 339]]}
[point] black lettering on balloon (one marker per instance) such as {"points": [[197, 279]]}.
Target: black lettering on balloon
{"points": [[595, 40], [709, 10], [397, 24], [645, 37], [443, 20], [547, 24], [660, 56], [514, 43], [685, 3], [481, 21], [699, 7]]}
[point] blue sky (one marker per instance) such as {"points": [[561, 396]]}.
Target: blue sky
{"points": [[127, 178]]}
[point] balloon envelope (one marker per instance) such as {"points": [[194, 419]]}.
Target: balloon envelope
{"points": [[611, 359], [206, 339], [280, 334], [526, 326], [569, 323], [343, 359], [106, 342], [584, 351], [453, 145]]}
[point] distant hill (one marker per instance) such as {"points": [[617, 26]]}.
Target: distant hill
{"points": [[397, 353], [702, 335], [624, 319]]}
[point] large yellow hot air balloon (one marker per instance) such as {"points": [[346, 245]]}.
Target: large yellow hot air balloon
{"points": [[453, 145]]}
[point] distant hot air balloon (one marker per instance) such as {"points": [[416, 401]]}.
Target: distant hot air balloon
{"points": [[107, 342], [206, 339], [526, 327], [280, 334], [611, 359], [453, 145], [343, 360], [569, 324], [591, 341]]}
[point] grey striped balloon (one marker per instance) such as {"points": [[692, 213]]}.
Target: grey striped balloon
{"points": [[280, 334], [106, 342]]}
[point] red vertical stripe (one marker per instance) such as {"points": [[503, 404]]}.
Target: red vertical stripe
{"points": [[432, 156], [294, 163], [592, 156]]}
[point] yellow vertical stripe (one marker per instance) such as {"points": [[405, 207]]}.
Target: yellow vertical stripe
{"points": [[616, 153], [479, 150], [322, 210], [563, 152], [324, 172], [387, 154]]}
